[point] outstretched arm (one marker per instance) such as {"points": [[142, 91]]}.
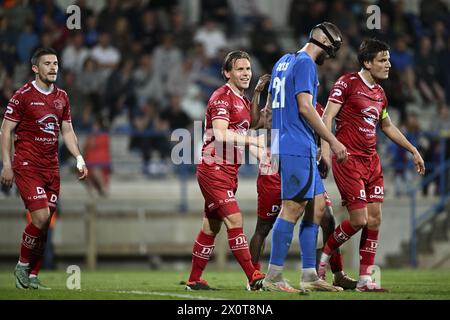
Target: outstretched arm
{"points": [[393, 133], [7, 175], [258, 118], [71, 142]]}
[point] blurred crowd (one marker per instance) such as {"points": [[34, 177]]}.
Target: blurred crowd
{"points": [[142, 68]]}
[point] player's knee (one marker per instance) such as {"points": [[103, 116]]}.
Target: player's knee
{"points": [[374, 222], [40, 218], [358, 222], [263, 229]]}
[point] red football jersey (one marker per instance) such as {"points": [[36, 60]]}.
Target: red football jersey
{"points": [[39, 116], [362, 107], [228, 105]]}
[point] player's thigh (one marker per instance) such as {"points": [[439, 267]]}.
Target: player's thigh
{"points": [[350, 183], [375, 185], [31, 185], [299, 178], [52, 189]]}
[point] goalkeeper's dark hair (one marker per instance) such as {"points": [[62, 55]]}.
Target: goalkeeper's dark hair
{"points": [[41, 52], [230, 58], [369, 49]]}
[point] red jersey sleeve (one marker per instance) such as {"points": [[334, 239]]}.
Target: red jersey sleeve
{"points": [[220, 108], [66, 112], [14, 109], [340, 90]]}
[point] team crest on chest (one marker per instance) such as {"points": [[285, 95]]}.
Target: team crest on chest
{"points": [[59, 104]]}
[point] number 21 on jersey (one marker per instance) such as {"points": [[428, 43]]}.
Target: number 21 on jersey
{"points": [[278, 99]]}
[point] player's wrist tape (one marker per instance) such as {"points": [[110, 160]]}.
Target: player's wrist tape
{"points": [[80, 162]]}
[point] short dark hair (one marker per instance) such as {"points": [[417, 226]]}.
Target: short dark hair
{"points": [[369, 49], [230, 58], [41, 52]]}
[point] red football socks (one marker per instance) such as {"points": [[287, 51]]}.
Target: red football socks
{"points": [[341, 234], [201, 252], [239, 246], [30, 240], [367, 250], [336, 262], [37, 255]]}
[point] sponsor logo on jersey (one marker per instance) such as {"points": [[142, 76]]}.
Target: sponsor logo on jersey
{"points": [[48, 123], [239, 107], [37, 103], [371, 115]]}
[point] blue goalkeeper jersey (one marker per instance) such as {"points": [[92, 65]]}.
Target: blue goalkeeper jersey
{"points": [[293, 74]]}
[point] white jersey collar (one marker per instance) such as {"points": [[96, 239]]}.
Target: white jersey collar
{"points": [[52, 87], [236, 93], [371, 86]]}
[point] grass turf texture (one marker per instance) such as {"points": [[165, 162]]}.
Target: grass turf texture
{"points": [[154, 285]]}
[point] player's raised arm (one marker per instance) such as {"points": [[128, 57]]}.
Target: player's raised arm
{"points": [[7, 175], [306, 109], [258, 117], [331, 110], [393, 133], [71, 142]]}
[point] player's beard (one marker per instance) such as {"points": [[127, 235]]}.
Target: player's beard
{"points": [[321, 58], [46, 80]]}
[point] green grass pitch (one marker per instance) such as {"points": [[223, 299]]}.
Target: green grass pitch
{"points": [[160, 285]]}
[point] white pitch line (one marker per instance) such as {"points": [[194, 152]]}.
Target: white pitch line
{"points": [[163, 294]]}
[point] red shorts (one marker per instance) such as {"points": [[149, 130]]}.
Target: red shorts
{"points": [[359, 180], [218, 189], [38, 188], [269, 196]]}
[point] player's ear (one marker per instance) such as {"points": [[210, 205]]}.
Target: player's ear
{"points": [[35, 69], [368, 65]]}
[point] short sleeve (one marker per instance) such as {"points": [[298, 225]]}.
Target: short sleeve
{"points": [[219, 108], [304, 76], [340, 90], [15, 107], [66, 112]]}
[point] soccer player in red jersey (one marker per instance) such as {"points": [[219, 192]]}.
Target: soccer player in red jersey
{"points": [[226, 123], [359, 103], [35, 115], [269, 200]]}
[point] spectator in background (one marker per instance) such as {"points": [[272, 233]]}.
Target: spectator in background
{"points": [[149, 31], [27, 41], [181, 31], [106, 55], [119, 92], [403, 63], [426, 65], [265, 44], [149, 135], [217, 10], [147, 83], [91, 31], [98, 158], [75, 53], [109, 15], [400, 163], [166, 55], [19, 15], [8, 45], [121, 34], [211, 37], [89, 82]]}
